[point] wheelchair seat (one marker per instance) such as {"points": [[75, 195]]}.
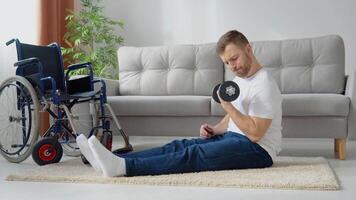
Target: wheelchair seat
{"points": [[80, 95], [83, 94]]}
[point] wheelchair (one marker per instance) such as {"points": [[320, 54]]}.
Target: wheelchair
{"points": [[42, 85]]}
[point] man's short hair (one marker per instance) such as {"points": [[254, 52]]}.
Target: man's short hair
{"points": [[232, 36]]}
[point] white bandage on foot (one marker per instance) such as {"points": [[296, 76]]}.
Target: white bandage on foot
{"points": [[111, 164], [83, 144]]}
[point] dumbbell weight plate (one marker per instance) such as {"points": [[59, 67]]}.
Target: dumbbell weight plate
{"points": [[215, 93], [229, 91]]}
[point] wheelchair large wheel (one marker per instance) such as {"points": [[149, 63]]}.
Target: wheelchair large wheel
{"points": [[19, 119], [47, 151], [84, 117]]}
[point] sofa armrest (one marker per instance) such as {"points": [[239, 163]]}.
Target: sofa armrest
{"points": [[112, 86], [350, 91]]}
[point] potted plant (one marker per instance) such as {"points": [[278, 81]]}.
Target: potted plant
{"points": [[91, 37]]}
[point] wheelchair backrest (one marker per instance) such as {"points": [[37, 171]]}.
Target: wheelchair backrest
{"points": [[51, 59]]}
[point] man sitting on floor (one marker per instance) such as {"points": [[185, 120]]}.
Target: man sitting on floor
{"points": [[249, 136]]}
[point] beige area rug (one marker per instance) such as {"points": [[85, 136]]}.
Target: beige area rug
{"points": [[286, 173]]}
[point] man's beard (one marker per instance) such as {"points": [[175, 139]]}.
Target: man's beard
{"points": [[242, 73]]}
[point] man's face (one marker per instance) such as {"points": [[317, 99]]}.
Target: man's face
{"points": [[238, 59]]}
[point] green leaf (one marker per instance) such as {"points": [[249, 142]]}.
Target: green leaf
{"points": [[77, 42]]}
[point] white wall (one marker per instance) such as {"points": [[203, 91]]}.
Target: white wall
{"points": [[163, 22], [18, 19]]}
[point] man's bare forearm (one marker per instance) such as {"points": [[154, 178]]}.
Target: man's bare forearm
{"points": [[221, 127]]}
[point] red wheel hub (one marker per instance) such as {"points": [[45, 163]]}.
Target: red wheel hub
{"points": [[47, 152]]}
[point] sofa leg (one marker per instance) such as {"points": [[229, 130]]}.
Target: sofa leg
{"points": [[340, 148]]}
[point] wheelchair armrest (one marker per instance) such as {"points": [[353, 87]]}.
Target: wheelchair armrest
{"points": [[53, 87], [27, 61], [33, 62], [52, 81], [79, 66]]}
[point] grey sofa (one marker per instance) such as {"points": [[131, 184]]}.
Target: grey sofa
{"points": [[166, 90]]}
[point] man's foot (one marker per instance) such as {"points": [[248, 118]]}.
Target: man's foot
{"points": [[88, 154], [111, 164]]}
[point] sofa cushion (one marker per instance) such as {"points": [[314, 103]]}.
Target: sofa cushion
{"points": [[160, 105], [311, 65], [315, 105], [169, 70], [299, 105], [314, 127]]}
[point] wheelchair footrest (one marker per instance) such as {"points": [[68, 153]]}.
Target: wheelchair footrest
{"points": [[123, 150]]}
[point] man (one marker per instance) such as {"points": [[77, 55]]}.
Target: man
{"points": [[249, 136]]}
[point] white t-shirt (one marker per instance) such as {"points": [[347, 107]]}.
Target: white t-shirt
{"points": [[261, 97]]}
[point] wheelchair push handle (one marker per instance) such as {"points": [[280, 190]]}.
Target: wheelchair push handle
{"points": [[27, 61], [79, 66], [12, 41]]}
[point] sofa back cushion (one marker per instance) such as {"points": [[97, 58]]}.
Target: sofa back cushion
{"points": [[169, 70], [311, 65]]}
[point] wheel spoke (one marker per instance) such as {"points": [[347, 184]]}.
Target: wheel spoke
{"points": [[18, 119]]}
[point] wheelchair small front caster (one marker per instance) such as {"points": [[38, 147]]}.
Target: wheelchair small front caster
{"points": [[47, 151]]}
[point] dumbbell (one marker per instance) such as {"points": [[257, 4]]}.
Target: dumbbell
{"points": [[228, 91]]}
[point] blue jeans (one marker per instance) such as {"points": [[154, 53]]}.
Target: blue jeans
{"points": [[222, 152]]}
